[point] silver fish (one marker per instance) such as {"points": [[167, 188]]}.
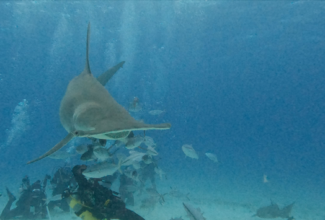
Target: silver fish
{"points": [[147, 159], [132, 174], [81, 149], [101, 153], [212, 157], [89, 154], [134, 142], [149, 141], [136, 165], [156, 112], [134, 157], [189, 151], [151, 151], [100, 170]]}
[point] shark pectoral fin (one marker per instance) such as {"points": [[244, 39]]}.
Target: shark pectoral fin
{"points": [[57, 147], [105, 77]]}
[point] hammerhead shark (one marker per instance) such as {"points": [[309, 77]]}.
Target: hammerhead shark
{"points": [[88, 110]]}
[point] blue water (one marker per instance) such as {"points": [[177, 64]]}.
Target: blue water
{"points": [[241, 79]]}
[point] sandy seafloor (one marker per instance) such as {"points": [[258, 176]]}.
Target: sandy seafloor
{"points": [[224, 200]]}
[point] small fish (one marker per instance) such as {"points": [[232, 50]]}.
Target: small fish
{"points": [[189, 151], [96, 141], [60, 155], [147, 159], [193, 214], [134, 157], [136, 165], [89, 154], [156, 112], [132, 174], [151, 151], [119, 143], [100, 170], [212, 157], [81, 149], [101, 153], [134, 142], [149, 141]]}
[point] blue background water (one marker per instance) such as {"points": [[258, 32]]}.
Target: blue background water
{"points": [[244, 80]]}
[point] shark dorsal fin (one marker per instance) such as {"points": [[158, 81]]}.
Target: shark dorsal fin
{"points": [[87, 67]]}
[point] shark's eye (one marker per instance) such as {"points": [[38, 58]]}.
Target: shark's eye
{"points": [[76, 132]]}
